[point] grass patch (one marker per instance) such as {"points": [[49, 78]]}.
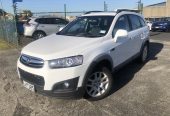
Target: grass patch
{"points": [[4, 45]]}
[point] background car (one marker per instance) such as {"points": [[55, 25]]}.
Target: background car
{"points": [[43, 26], [161, 26]]}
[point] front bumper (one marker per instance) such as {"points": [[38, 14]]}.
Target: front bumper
{"points": [[65, 94], [45, 80], [57, 91]]}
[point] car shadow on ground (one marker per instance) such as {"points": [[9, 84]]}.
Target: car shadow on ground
{"points": [[126, 74], [155, 33]]}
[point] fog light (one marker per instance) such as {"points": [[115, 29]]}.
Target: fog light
{"points": [[66, 84]]}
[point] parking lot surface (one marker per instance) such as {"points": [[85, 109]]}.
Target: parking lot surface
{"points": [[141, 90]]}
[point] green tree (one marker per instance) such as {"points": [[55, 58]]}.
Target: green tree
{"points": [[28, 13]]}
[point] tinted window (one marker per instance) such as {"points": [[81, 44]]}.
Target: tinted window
{"points": [[142, 22], [122, 23], [37, 20], [60, 21], [51, 21], [135, 22], [41, 21]]}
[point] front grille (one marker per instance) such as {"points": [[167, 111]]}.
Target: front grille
{"points": [[31, 78], [31, 61]]}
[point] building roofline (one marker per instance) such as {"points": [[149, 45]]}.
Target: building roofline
{"points": [[157, 4]]}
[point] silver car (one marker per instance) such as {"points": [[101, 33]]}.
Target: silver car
{"points": [[43, 26]]}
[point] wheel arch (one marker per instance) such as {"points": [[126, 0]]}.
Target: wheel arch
{"points": [[101, 60], [39, 31], [144, 43]]}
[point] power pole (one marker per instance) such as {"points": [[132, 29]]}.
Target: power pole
{"points": [[15, 7], [140, 6], [105, 6], [15, 10], [65, 11]]}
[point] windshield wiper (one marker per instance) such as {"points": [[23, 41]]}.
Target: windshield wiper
{"points": [[81, 35], [91, 35]]}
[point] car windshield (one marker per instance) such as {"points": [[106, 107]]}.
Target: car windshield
{"points": [[88, 26]]}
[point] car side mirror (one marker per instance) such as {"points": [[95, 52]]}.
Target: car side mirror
{"points": [[120, 35], [61, 28]]}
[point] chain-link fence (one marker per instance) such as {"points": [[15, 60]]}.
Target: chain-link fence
{"points": [[8, 30]]}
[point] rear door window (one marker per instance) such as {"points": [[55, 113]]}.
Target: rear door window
{"points": [[49, 20], [60, 21], [41, 21], [135, 22], [143, 23], [45, 21]]}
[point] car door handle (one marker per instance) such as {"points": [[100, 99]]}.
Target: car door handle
{"points": [[113, 49], [130, 38]]}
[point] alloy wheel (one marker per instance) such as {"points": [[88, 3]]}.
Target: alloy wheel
{"points": [[97, 84], [145, 53]]}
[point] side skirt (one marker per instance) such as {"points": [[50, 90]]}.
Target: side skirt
{"points": [[126, 62]]}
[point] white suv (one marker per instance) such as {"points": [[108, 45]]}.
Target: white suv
{"points": [[43, 26], [79, 60]]}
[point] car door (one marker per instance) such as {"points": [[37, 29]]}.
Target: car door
{"points": [[123, 48], [46, 25], [137, 34], [51, 26]]}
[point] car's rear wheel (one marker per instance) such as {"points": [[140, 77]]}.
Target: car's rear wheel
{"points": [[98, 84], [38, 35], [144, 53], [167, 30]]}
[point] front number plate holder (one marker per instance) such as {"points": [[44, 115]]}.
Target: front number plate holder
{"points": [[29, 86]]}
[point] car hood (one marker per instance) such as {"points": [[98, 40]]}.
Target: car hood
{"points": [[58, 46]]}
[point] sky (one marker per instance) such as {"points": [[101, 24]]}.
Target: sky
{"points": [[73, 5]]}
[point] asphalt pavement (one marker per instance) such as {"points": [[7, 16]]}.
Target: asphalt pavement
{"points": [[140, 90]]}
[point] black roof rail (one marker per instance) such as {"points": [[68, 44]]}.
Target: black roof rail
{"points": [[128, 10], [92, 12]]}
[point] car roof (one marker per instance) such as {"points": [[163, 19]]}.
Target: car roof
{"points": [[45, 17], [100, 14], [110, 13]]}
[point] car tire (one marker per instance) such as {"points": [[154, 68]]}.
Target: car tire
{"points": [[98, 84], [167, 30], [38, 35], [144, 53]]}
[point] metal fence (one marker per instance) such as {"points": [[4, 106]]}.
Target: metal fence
{"points": [[8, 31]]}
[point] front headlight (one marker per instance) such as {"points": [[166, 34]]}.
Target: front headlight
{"points": [[66, 62]]}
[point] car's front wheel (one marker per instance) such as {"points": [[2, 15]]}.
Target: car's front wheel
{"points": [[98, 84]]}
